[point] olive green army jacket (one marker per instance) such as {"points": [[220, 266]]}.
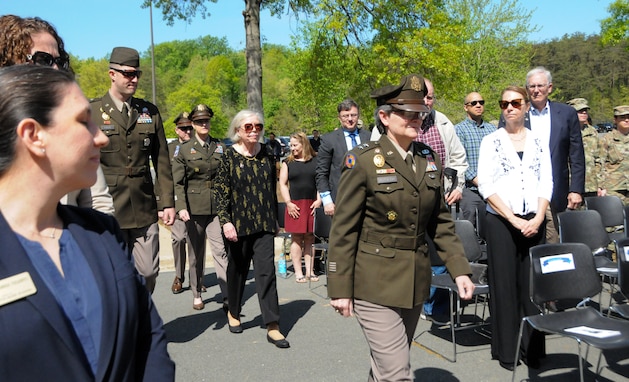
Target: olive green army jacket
{"points": [[126, 160], [194, 171], [378, 251]]}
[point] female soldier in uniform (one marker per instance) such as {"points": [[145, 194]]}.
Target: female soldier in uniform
{"points": [[378, 265], [194, 171]]}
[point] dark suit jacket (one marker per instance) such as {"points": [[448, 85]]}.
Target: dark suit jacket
{"points": [[330, 159], [566, 153], [378, 252], [38, 341]]}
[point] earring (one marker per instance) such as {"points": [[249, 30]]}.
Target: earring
{"points": [[43, 150]]}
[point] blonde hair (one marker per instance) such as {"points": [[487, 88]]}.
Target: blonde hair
{"points": [[308, 151]]}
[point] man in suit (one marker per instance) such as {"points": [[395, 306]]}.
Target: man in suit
{"points": [[135, 131], [389, 200], [178, 232], [332, 150], [558, 125]]}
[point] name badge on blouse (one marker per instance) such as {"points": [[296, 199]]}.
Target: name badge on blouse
{"points": [[16, 287]]}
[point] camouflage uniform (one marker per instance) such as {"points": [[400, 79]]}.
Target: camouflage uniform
{"points": [[592, 158], [614, 150]]}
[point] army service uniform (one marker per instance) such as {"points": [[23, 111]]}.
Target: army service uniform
{"points": [[178, 233], [125, 163], [378, 253], [194, 171]]}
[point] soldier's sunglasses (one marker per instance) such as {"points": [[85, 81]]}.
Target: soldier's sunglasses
{"points": [[473, 103], [517, 103], [129, 74], [411, 115], [46, 59]]}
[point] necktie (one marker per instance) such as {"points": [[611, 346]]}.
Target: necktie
{"points": [[352, 136], [409, 162], [125, 113]]}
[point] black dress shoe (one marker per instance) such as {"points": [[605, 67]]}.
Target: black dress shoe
{"points": [[282, 344], [508, 365], [235, 329]]}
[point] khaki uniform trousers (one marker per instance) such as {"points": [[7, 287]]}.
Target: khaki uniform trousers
{"points": [[144, 245], [389, 332], [199, 228]]}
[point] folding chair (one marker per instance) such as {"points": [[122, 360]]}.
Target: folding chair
{"points": [[622, 252], [566, 271], [625, 214], [466, 233], [611, 210], [322, 224], [586, 226]]}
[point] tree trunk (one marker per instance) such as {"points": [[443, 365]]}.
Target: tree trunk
{"points": [[253, 54]]}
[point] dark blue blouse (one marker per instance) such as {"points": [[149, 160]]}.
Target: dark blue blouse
{"points": [[75, 291]]}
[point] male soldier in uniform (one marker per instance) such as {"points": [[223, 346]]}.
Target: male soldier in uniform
{"points": [[390, 198], [135, 131], [178, 233], [614, 156], [591, 149]]}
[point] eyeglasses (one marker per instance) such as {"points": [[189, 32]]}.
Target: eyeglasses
{"points": [[129, 74], [583, 111], [533, 87], [474, 103], [249, 127], [46, 59], [185, 128], [517, 103], [201, 121], [622, 117], [410, 115], [348, 116]]}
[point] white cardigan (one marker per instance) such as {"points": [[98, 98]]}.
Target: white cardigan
{"points": [[518, 183]]}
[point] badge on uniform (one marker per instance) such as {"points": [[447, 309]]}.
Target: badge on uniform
{"points": [[350, 160], [145, 116], [431, 165], [147, 142], [16, 287], [392, 216], [378, 160], [381, 171], [176, 151], [219, 149], [192, 150]]}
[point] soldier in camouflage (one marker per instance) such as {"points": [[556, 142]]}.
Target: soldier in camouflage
{"points": [[614, 150], [590, 146]]}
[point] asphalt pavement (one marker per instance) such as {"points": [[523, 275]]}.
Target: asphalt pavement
{"points": [[327, 347]]}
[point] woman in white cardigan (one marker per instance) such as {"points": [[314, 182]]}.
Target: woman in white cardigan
{"points": [[515, 178]]}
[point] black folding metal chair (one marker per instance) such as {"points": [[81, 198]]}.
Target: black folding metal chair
{"points": [[566, 271]]}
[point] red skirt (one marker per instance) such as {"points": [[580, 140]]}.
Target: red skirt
{"points": [[304, 223]]}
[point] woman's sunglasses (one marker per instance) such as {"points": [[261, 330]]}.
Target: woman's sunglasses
{"points": [[517, 103], [46, 59], [249, 127]]}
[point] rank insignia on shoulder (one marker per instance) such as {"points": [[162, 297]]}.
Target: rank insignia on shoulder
{"points": [[350, 160], [219, 149], [378, 160], [392, 216]]}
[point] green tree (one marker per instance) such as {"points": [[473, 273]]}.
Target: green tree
{"points": [[615, 28]]}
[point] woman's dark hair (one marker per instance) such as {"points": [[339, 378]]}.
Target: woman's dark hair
{"points": [[16, 38], [27, 91]]}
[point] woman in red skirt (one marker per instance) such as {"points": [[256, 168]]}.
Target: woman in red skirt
{"points": [[299, 191]]}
